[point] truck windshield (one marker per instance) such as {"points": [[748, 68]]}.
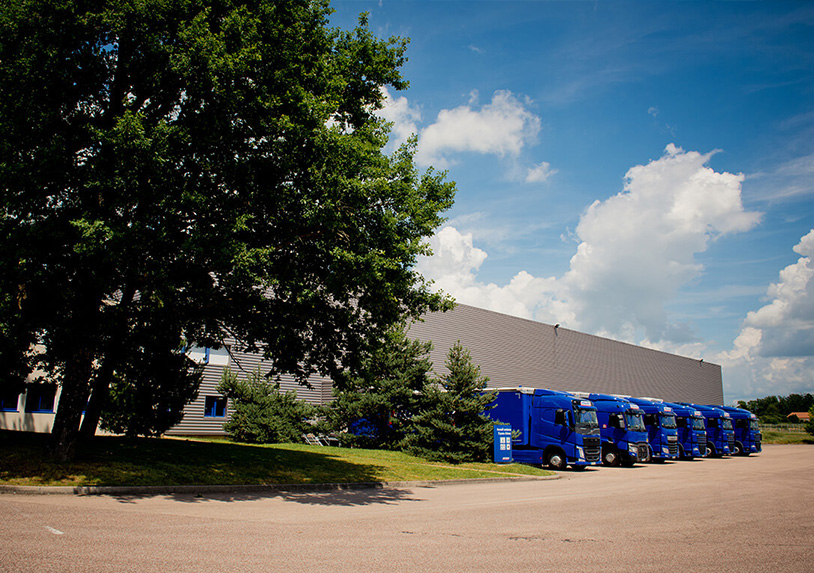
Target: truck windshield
{"points": [[754, 426], [668, 421], [635, 422], [727, 424], [585, 421], [698, 424]]}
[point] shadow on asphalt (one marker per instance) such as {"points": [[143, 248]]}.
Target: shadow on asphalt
{"points": [[355, 496]]}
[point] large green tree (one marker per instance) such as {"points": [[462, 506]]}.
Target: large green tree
{"points": [[206, 168]]}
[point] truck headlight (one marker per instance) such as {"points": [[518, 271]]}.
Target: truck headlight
{"points": [[633, 448], [580, 454]]}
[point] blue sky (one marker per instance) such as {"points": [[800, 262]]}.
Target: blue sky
{"points": [[638, 170]]}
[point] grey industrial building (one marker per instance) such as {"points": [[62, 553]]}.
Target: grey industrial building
{"points": [[511, 351]]}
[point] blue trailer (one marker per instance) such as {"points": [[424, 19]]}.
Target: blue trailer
{"points": [[692, 431], [550, 428], [747, 431], [720, 433], [662, 432], [624, 436]]}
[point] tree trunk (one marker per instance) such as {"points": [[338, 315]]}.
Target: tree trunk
{"points": [[99, 392], [101, 383], [72, 400]]}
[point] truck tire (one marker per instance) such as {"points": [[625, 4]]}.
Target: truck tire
{"points": [[739, 451], [710, 450], [556, 460], [611, 457]]}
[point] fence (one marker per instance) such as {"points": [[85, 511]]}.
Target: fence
{"points": [[793, 428]]}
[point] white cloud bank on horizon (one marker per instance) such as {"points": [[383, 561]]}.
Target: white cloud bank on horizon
{"points": [[774, 352]]}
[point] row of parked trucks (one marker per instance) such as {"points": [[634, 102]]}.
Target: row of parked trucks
{"points": [[581, 429]]}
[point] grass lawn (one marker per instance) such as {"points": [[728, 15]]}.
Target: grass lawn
{"points": [[109, 460], [780, 437]]}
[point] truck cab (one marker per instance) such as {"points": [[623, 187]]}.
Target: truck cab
{"points": [[747, 431], [662, 432], [624, 436], [550, 428], [692, 431], [720, 432]]}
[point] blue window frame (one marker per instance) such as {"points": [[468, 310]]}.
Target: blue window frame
{"points": [[9, 400], [215, 407], [39, 398]]}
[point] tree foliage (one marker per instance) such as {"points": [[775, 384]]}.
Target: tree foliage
{"points": [[451, 425], [206, 168], [373, 408], [147, 397], [775, 409], [260, 413]]}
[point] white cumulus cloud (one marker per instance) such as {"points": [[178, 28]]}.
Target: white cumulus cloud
{"points": [[402, 114], [636, 250], [502, 127], [540, 173], [774, 353], [639, 247]]}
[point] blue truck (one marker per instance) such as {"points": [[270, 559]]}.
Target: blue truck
{"points": [[550, 428], [692, 431], [720, 433], [662, 432], [621, 427], [747, 431]]}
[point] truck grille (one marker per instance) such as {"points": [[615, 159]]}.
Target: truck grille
{"points": [[643, 452], [592, 449], [702, 443], [731, 444], [673, 447]]}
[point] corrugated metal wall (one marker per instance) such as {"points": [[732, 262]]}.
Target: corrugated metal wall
{"points": [[518, 352], [241, 363], [512, 352]]}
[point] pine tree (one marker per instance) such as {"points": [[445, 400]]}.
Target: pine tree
{"points": [[451, 425], [373, 408]]}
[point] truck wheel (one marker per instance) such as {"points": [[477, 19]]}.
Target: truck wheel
{"points": [[710, 450], [611, 457], [738, 450], [556, 461]]}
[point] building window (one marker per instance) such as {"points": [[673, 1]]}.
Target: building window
{"points": [[215, 407], [40, 398], [9, 400]]}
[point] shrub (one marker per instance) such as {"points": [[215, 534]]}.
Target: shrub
{"points": [[260, 413]]}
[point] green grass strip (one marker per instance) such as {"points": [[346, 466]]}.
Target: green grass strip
{"points": [[119, 461]]}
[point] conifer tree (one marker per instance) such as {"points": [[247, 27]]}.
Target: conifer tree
{"points": [[451, 425]]}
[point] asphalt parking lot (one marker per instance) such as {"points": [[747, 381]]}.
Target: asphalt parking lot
{"points": [[730, 514]]}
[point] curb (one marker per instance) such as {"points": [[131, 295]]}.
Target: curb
{"points": [[243, 489]]}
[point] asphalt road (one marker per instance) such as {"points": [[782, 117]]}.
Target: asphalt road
{"points": [[731, 514]]}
